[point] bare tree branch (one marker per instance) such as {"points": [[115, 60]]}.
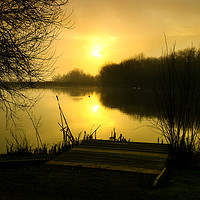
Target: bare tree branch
{"points": [[27, 30]]}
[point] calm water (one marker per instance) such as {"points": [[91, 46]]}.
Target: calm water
{"points": [[128, 111]]}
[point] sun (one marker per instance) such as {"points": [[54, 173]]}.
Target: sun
{"points": [[98, 47], [96, 52]]}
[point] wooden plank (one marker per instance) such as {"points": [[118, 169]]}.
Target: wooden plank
{"points": [[108, 167], [134, 157]]}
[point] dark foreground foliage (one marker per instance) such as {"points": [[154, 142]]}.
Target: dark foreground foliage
{"points": [[59, 182]]}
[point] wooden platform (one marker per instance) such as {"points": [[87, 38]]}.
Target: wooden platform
{"points": [[133, 157]]}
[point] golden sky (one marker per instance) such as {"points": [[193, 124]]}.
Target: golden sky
{"points": [[113, 30]]}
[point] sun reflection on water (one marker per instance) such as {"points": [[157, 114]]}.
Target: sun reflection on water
{"points": [[95, 108]]}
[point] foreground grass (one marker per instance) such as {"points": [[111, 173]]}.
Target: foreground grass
{"points": [[183, 184], [60, 182], [57, 182]]}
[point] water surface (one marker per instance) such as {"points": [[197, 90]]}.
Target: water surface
{"points": [[128, 111]]}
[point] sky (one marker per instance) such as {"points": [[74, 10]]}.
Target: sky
{"points": [[110, 31]]}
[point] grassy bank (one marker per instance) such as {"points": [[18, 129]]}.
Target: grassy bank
{"points": [[58, 182]]}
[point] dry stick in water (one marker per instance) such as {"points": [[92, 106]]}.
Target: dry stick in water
{"points": [[66, 132], [94, 132]]}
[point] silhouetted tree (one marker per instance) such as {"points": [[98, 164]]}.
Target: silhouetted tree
{"points": [[136, 72], [27, 30], [76, 76]]}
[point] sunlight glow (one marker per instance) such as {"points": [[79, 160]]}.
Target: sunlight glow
{"points": [[99, 46], [96, 52], [95, 108]]}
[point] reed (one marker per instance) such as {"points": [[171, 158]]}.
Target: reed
{"points": [[121, 138], [20, 146], [178, 104]]}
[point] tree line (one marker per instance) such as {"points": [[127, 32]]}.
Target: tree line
{"points": [[137, 72]]}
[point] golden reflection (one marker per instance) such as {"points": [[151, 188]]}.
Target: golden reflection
{"points": [[95, 108]]}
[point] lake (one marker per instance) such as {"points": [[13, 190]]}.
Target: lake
{"points": [[129, 111]]}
